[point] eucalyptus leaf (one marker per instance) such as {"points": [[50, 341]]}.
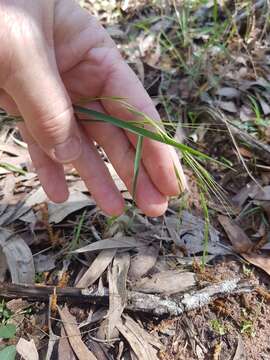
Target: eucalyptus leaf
{"points": [[7, 331], [8, 353]]}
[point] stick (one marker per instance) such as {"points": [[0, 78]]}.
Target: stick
{"points": [[137, 302]]}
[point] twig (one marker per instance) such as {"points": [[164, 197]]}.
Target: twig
{"points": [[136, 302]]}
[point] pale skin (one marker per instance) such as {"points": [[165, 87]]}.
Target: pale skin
{"points": [[53, 53]]}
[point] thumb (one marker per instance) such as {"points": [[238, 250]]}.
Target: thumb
{"points": [[40, 95]]}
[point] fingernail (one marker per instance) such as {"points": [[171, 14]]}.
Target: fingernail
{"points": [[69, 150]]}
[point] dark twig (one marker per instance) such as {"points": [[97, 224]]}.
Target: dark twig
{"points": [[136, 301]]}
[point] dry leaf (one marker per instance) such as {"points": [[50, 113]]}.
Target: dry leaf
{"points": [[137, 341], [117, 277], [240, 353], [3, 267], [262, 193], [166, 282], [44, 262], [247, 191], [111, 243], [65, 351], [27, 349], [239, 239], [99, 350], [261, 260], [264, 105], [10, 213], [96, 269], [227, 106], [132, 325], [143, 261], [53, 338], [75, 202], [18, 256], [228, 92], [58, 212], [74, 335], [188, 233]]}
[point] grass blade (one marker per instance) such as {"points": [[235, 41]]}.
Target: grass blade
{"points": [[160, 136], [137, 162]]}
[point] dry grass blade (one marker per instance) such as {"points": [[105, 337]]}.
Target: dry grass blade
{"points": [[74, 335]]}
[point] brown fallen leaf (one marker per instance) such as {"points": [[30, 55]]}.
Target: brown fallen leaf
{"points": [[96, 269], [137, 341], [99, 350], [239, 239], [143, 261], [228, 92], [132, 324], [74, 335], [261, 260], [166, 282], [240, 353], [117, 277], [18, 256], [65, 351], [111, 243], [227, 106], [27, 349], [262, 193]]}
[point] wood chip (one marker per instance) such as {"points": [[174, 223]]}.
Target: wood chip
{"points": [[74, 335], [96, 269], [27, 349]]}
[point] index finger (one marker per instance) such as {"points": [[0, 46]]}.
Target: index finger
{"points": [[159, 159]]}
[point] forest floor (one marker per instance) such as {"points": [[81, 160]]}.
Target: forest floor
{"points": [[192, 284]]}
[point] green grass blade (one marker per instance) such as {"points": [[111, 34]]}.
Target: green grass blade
{"points": [[12, 168], [136, 129], [206, 228], [137, 162]]}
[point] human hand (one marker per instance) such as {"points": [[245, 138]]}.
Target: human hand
{"points": [[53, 53]]}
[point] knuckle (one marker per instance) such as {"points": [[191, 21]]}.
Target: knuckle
{"points": [[53, 129]]}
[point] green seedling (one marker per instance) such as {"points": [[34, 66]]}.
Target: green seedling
{"points": [[218, 327]]}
